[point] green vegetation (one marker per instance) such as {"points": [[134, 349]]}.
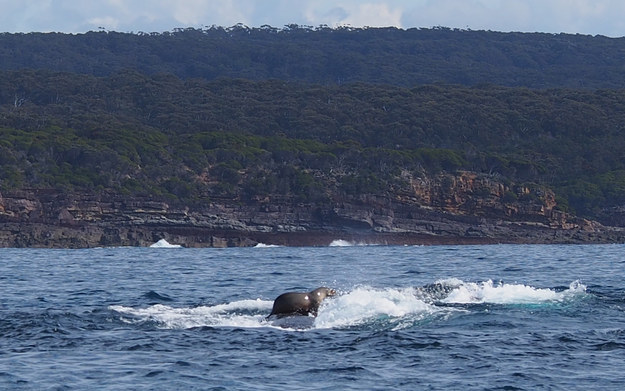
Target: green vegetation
{"points": [[194, 140], [312, 114], [331, 56]]}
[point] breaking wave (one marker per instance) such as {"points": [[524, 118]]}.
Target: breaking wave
{"points": [[347, 243], [263, 245], [162, 243]]}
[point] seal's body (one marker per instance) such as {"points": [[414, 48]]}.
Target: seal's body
{"points": [[300, 303]]}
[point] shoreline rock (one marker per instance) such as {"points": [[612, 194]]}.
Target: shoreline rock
{"points": [[36, 218]]}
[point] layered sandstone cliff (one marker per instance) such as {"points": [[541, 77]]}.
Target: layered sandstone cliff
{"points": [[461, 208]]}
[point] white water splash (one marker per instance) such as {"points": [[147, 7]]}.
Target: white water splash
{"points": [[341, 243], [489, 292], [162, 243], [365, 304], [263, 245], [243, 313], [347, 243], [395, 308]]}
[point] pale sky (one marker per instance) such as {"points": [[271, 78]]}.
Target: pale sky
{"points": [[592, 17]]}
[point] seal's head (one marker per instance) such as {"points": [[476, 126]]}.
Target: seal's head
{"points": [[321, 293]]}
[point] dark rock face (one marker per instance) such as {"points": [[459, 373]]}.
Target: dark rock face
{"points": [[464, 208]]}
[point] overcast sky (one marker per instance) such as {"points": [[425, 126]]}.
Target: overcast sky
{"points": [[603, 17]]}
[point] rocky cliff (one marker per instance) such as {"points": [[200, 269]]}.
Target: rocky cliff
{"points": [[461, 208]]}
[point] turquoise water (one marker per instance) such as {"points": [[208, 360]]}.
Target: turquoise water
{"points": [[501, 317]]}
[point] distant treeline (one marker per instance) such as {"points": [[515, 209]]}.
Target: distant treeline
{"points": [[195, 138], [332, 56]]}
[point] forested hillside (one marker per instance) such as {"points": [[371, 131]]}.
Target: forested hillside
{"points": [[363, 121], [234, 138]]}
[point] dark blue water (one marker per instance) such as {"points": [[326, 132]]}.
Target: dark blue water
{"points": [[509, 318]]}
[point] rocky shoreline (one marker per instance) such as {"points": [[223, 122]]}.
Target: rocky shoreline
{"points": [[51, 219]]}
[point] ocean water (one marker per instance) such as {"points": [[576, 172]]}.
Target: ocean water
{"points": [[498, 317]]}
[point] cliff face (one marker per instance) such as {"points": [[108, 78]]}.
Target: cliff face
{"points": [[462, 208], [480, 195]]}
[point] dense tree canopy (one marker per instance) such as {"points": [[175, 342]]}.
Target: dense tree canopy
{"points": [[195, 139], [310, 114], [332, 56]]}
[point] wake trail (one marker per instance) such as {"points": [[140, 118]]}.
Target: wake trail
{"points": [[362, 306]]}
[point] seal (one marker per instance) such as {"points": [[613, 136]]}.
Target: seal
{"points": [[300, 303]]}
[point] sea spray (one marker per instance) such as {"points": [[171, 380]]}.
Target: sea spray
{"points": [[263, 245], [362, 307], [341, 243], [243, 313], [501, 293], [162, 243], [365, 304]]}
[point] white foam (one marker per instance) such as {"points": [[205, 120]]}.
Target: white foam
{"points": [[489, 292], [395, 308], [450, 281], [341, 243], [244, 313], [347, 243], [351, 309], [366, 304], [263, 245], [162, 243]]}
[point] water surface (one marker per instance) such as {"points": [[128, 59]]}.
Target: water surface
{"points": [[510, 317]]}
